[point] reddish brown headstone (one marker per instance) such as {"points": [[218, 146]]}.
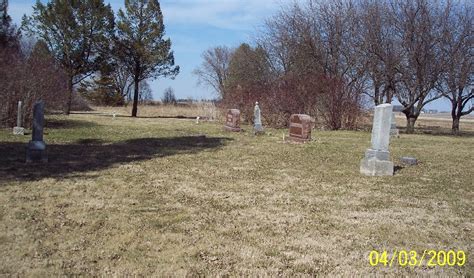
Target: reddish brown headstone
{"points": [[232, 121], [300, 128]]}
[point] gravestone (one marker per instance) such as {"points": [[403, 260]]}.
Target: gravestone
{"points": [[409, 160], [300, 128], [232, 122], [377, 158], [393, 127], [257, 125], [18, 129], [36, 150]]}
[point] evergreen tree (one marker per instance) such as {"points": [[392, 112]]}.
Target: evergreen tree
{"points": [[77, 32], [248, 67], [9, 35], [141, 46]]}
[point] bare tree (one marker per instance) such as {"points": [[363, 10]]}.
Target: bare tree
{"points": [[309, 64], [28, 72], [418, 29], [379, 49], [123, 81], [214, 69], [29, 78], [146, 94], [337, 22], [168, 96], [279, 36], [457, 46], [322, 56]]}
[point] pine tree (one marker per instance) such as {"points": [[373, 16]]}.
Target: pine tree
{"points": [[78, 34], [141, 46], [9, 35]]}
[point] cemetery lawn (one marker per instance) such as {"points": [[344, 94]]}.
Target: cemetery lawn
{"points": [[149, 196]]}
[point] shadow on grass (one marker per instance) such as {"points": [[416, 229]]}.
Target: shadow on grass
{"points": [[397, 169], [65, 123], [71, 160]]}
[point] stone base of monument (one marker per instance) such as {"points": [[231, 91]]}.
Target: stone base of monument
{"points": [[233, 129], [376, 163], [36, 151], [17, 130], [258, 130], [408, 160]]}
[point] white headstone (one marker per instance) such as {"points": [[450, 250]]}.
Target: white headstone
{"points": [[18, 129], [377, 158], [381, 127], [258, 128]]}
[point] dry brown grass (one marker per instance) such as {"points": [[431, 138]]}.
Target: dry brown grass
{"points": [[201, 109], [147, 197]]}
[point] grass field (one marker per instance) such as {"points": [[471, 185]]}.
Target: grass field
{"points": [[151, 196]]}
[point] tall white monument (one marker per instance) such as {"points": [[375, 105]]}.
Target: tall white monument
{"points": [[257, 126], [18, 129], [377, 158]]}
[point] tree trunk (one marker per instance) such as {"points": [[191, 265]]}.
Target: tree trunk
{"points": [[456, 112], [135, 98], [411, 124], [377, 95], [455, 127], [67, 106]]}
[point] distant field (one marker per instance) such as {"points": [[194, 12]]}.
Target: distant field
{"points": [[154, 197], [446, 116], [200, 109], [440, 122]]}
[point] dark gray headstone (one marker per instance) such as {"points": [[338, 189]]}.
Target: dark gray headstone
{"points": [[38, 121], [36, 149]]}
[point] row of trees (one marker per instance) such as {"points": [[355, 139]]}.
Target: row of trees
{"points": [[94, 52], [325, 58]]}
